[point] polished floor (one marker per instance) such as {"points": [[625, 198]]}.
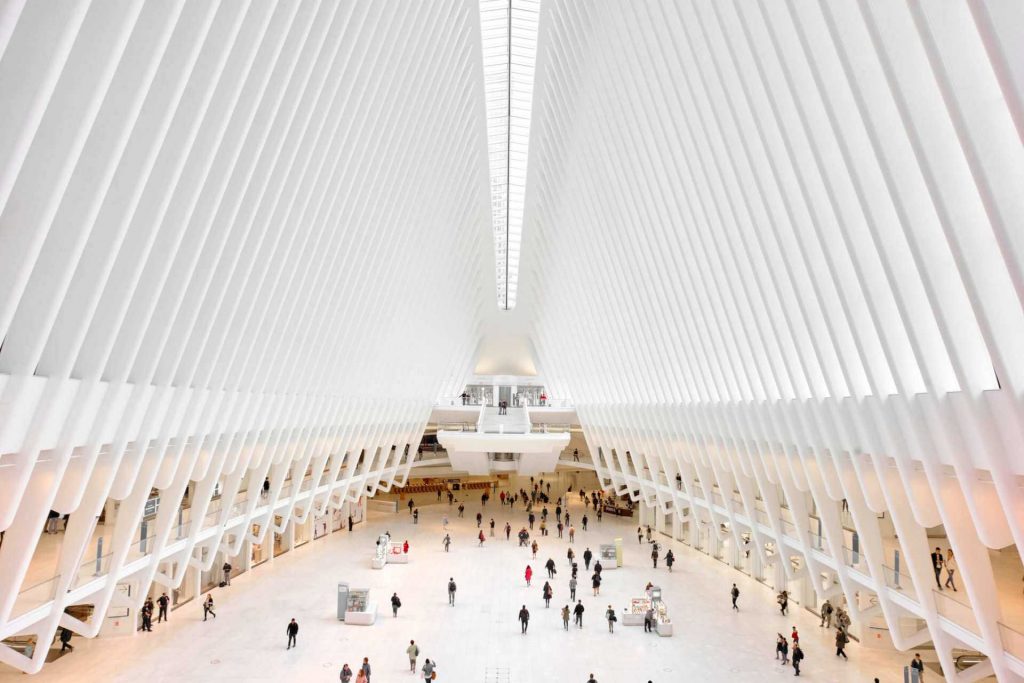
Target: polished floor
{"points": [[480, 634]]}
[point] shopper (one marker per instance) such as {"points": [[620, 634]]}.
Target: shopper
{"points": [[395, 604], [735, 592], [65, 639], [529, 572], [570, 555], [428, 669], [578, 612], [649, 620], [654, 555], [565, 617], [595, 582], [798, 656], [293, 631], [546, 592], [572, 588], [451, 591], [162, 603], [413, 651], [365, 669], [534, 547], [950, 569], [841, 640], [208, 607], [826, 614], [447, 542], [670, 559], [587, 556], [937, 562], [783, 600], [550, 566], [346, 673], [524, 619], [783, 648], [609, 615], [560, 526], [918, 664]]}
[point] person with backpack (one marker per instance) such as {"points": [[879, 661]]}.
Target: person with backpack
{"points": [[413, 651], [609, 614], [451, 591], [395, 604], [524, 619], [208, 606], [798, 656], [826, 614], [735, 592]]}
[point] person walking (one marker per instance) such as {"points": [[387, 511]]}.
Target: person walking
{"points": [[162, 603], [346, 673], [543, 527], [479, 519], [531, 519], [950, 569], [937, 562], [529, 571], [534, 546], [413, 651], [576, 455], [462, 509], [783, 600], [841, 640], [416, 516], [565, 617], [654, 555], [65, 639], [208, 607], [784, 649], [395, 604], [587, 556], [293, 631], [550, 566], [411, 505], [558, 512], [572, 534], [735, 593], [447, 542], [492, 527], [595, 582], [451, 591], [798, 656], [480, 537], [609, 615], [546, 593], [640, 535], [524, 619], [670, 559], [508, 531], [364, 670], [578, 613], [560, 526], [795, 635], [917, 664], [598, 567], [826, 614], [570, 555], [572, 588], [584, 522], [428, 670]]}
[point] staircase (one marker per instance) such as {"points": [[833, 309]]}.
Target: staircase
{"points": [[514, 421]]}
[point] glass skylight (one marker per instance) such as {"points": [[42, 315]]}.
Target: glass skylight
{"points": [[509, 31]]}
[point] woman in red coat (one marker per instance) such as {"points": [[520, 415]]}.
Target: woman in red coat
{"points": [[529, 574], [405, 547]]}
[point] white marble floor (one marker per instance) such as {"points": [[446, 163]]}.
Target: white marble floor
{"points": [[247, 640]]}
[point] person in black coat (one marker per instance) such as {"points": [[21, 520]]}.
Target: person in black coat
{"points": [[587, 557], [524, 618], [578, 613], [293, 632], [395, 604]]}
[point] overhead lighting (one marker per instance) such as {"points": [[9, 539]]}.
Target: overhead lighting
{"points": [[509, 33]]}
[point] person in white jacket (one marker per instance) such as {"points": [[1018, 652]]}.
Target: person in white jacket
{"points": [[950, 565]]}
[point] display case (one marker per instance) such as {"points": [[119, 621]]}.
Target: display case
{"points": [[634, 614], [359, 609], [608, 555], [396, 555]]}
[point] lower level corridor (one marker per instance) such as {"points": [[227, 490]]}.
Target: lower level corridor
{"points": [[480, 636]]}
